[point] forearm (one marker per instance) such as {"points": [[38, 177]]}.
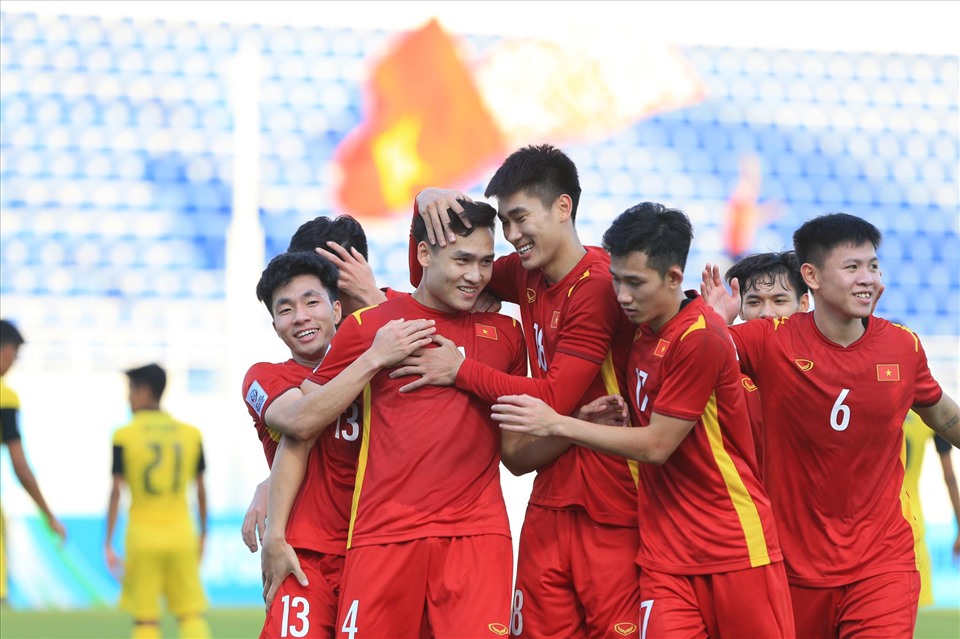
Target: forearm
{"points": [[286, 476], [30, 484], [112, 510], [950, 480], [202, 505], [522, 454], [639, 444], [943, 418]]}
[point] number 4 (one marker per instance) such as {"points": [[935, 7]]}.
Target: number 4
{"points": [[350, 619], [840, 415]]}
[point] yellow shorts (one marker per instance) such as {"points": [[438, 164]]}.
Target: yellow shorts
{"points": [[173, 573]]}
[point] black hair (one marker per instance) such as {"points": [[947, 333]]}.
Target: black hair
{"points": [[286, 266], [663, 234], [9, 333], [479, 214], [151, 376], [817, 237], [314, 234], [542, 171], [765, 269]]}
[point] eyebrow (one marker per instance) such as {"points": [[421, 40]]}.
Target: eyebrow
{"points": [[517, 210], [289, 299]]}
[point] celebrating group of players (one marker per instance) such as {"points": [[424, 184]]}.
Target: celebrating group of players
{"points": [[694, 479]]}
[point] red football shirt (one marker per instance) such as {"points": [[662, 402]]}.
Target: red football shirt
{"points": [[833, 432], [755, 414], [703, 511], [320, 515], [430, 459]]}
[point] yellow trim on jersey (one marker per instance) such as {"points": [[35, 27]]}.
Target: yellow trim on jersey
{"points": [[584, 276], [613, 388], [361, 463], [916, 340], [356, 313], [275, 435], [700, 324], [742, 501]]}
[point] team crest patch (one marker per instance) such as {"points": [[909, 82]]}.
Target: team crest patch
{"points": [[555, 319], [748, 384], [256, 396], [489, 332], [625, 628], [498, 629], [888, 372], [531, 296], [804, 364]]}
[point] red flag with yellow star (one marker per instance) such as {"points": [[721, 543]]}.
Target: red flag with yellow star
{"points": [[425, 125]]}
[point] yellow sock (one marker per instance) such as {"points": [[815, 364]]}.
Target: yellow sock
{"points": [[146, 630], [193, 627]]}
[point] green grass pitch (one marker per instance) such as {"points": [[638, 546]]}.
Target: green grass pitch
{"points": [[245, 623]]}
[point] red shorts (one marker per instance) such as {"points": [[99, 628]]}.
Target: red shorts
{"points": [[754, 602], [460, 586], [309, 612], [880, 606], [575, 578]]}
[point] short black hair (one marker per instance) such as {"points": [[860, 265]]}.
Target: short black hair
{"points": [[479, 214], [767, 268], [662, 233], [542, 171], [152, 376], [314, 234], [9, 333], [817, 237], [286, 266]]}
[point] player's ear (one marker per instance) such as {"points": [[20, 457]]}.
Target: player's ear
{"points": [[423, 254], [337, 312], [563, 205], [810, 275], [805, 302], [674, 277]]}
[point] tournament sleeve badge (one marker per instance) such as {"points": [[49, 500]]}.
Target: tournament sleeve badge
{"points": [[256, 396], [888, 372], [488, 332], [661, 348]]}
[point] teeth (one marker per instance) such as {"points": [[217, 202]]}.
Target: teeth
{"points": [[469, 291], [306, 333], [526, 248], [863, 296]]}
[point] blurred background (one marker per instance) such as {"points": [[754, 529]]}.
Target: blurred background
{"points": [[154, 156]]}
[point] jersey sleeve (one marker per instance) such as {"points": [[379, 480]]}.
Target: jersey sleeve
{"points": [[261, 386], [749, 339], [591, 320], [690, 375], [8, 420], [117, 459], [201, 462], [347, 345], [942, 445], [927, 391]]}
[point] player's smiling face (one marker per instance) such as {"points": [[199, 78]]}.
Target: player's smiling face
{"points": [[644, 295], [771, 299], [531, 227], [455, 275], [305, 318], [849, 282]]}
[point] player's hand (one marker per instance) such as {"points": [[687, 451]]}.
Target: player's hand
{"points": [[609, 409], [58, 528], [255, 520], [486, 303], [277, 561], [397, 339], [715, 295], [435, 366], [114, 562], [356, 275], [525, 414], [433, 204]]}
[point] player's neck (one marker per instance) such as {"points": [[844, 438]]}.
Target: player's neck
{"points": [[839, 328], [567, 257], [148, 407]]}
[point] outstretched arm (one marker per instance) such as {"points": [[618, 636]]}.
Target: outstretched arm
{"points": [[114, 563], [653, 444], [202, 510], [254, 521], [28, 480]]}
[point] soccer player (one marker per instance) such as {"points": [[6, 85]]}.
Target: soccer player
{"points": [[771, 286], [575, 570], [427, 496], [10, 342], [300, 292], [157, 457], [916, 435], [835, 387], [710, 562]]}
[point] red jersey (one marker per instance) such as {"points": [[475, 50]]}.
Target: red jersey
{"points": [[833, 433], [320, 515], [430, 459], [754, 413], [704, 510]]}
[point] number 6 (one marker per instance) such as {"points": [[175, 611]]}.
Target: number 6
{"points": [[840, 415]]}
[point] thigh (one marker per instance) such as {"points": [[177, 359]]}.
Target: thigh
{"points": [[142, 584], [182, 587], [468, 586], [304, 611], [669, 608], [766, 612], [606, 577], [880, 606], [383, 591], [815, 611], [544, 603]]}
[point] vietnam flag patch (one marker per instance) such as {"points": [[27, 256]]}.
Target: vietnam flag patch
{"points": [[489, 332], [661, 349], [888, 372]]}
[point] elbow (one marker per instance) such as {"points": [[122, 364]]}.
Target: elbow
{"points": [[656, 456], [517, 470]]}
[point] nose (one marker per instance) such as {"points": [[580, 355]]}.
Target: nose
{"points": [[511, 233], [766, 310], [472, 274], [621, 292]]}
